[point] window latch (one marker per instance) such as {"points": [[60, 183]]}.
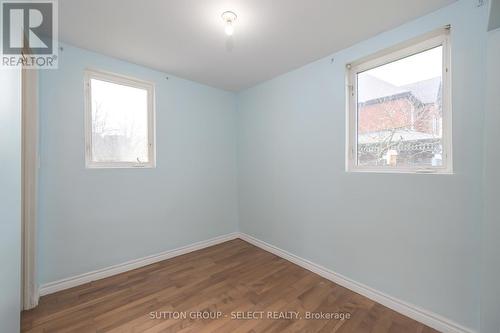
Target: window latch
{"points": [[351, 88]]}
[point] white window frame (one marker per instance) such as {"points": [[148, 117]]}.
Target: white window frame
{"points": [[90, 74], [434, 39]]}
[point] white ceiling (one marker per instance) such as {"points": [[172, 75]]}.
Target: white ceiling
{"points": [[186, 37]]}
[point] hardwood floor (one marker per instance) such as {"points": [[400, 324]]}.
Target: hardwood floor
{"points": [[225, 281]]}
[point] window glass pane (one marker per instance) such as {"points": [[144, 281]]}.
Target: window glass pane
{"points": [[119, 122], [399, 114]]}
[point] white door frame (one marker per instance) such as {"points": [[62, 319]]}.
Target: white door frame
{"points": [[30, 164]]}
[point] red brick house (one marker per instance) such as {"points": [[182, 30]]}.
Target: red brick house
{"points": [[399, 124]]}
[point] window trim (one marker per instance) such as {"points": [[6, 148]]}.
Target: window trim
{"points": [[90, 74], [440, 37]]}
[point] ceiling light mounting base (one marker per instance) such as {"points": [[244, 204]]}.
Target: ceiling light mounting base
{"points": [[229, 16]]}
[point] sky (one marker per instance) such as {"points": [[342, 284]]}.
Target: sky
{"points": [[418, 67], [120, 110]]}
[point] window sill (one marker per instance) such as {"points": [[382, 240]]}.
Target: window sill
{"points": [[403, 171], [119, 166]]}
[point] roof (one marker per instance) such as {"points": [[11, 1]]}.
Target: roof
{"points": [[427, 91], [371, 88]]}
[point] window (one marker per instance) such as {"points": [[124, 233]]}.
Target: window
{"points": [[119, 121], [399, 110]]}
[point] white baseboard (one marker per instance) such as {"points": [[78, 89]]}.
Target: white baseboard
{"points": [[412, 311], [77, 280]]}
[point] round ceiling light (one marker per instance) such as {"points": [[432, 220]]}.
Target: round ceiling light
{"points": [[229, 18]]}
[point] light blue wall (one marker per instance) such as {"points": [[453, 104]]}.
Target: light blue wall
{"points": [[10, 199], [90, 219], [490, 303], [412, 236]]}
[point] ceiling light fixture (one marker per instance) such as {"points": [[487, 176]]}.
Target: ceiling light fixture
{"points": [[229, 18]]}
